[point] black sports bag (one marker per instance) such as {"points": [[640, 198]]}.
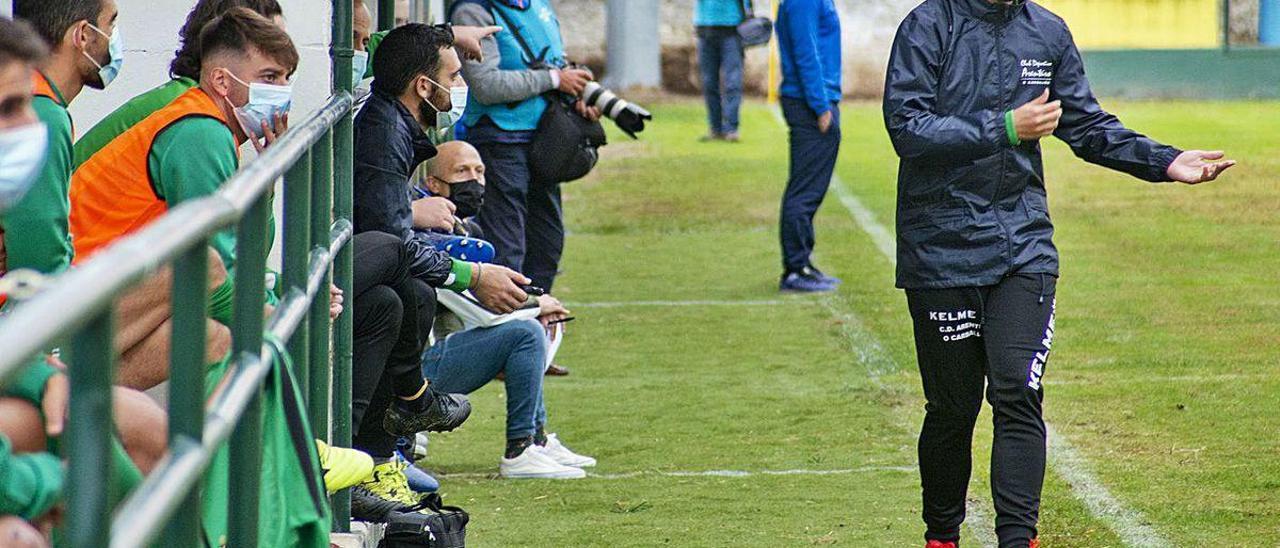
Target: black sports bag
{"points": [[439, 526]]}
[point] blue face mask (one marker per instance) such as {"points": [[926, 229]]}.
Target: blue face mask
{"points": [[22, 153], [115, 48], [266, 101], [359, 63], [458, 101]]}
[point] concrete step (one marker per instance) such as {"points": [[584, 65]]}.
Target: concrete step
{"points": [[362, 535]]}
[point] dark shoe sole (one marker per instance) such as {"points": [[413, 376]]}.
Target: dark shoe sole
{"points": [[789, 291]]}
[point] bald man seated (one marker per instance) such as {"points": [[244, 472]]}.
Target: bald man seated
{"points": [[450, 197]]}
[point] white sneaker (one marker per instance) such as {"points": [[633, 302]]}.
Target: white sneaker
{"points": [[533, 463], [561, 454], [420, 442]]}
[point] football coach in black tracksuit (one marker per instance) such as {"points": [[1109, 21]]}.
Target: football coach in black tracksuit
{"points": [[972, 86]]}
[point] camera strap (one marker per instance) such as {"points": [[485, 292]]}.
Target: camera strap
{"points": [[748, 9], [515, 32]]}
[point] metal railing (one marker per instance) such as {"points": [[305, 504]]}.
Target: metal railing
{"points": [[315, 159]]}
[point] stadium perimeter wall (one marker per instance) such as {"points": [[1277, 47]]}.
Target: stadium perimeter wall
{"points": [[1252, 73], [1197, 71]]}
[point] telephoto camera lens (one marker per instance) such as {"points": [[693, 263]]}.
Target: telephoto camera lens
{"points": [[629, 117]]}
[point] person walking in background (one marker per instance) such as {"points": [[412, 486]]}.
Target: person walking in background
{"points": [[720, 62], [809, 46]]}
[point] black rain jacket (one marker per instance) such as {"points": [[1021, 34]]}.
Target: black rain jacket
{"points": [[971, 205], [389, 145]]}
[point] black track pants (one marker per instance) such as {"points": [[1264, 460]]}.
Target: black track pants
{"points": [[393, 314], [1000, 334]]}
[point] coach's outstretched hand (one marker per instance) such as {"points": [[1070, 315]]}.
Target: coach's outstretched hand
{"points": [[1198, 166]]}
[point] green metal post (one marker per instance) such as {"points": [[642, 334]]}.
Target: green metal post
{"points": [[186, 379], [246, 339], [88, 441], [341, 53], [1226, 26], [321, 219], [386, 14], [297, 249]]}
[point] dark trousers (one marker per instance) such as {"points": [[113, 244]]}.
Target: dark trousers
{"points": [[393, 313], [720, 62], [813, 159], [521, 217], [999, 334]]}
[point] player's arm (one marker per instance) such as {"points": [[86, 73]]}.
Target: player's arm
{"points": [[802, 22], [1098, 137], [30, 484], [191, 159], [917, 130]]}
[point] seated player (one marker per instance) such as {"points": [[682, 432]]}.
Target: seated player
{"points": [[184, 72], [186, 150]]}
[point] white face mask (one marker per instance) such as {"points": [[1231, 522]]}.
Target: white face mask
{"points": [[115, 48], [458, 99], [359, 63], [22, 153], [265, 102]]}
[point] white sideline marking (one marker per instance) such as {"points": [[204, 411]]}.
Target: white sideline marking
{"points": [[747, 474], [1179, 379], [880, 235], [720, 473], [978, 518], [1129, 524], [699, 303]]}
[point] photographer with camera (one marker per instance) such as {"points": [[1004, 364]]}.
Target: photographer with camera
{"points": [[521, 214]]}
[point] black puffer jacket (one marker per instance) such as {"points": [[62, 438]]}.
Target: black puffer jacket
{"points": [[971, 205]]}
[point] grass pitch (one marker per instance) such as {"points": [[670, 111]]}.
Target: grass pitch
{"points": [[792, 420]]}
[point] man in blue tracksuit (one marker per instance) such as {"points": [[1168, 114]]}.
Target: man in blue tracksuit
{"points": [[972, 86], [720, 62], [809, 45]]}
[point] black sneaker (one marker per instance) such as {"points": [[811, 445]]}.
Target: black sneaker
{"points": [[366, 506], [813, 271], [443, 414], [805, 281]]}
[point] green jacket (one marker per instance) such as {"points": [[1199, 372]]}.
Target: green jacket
{"points": [[36, 230]]}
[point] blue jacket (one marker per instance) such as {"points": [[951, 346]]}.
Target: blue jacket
{"points": [[971, 201], [389, 145], [809, 44], [537, 24], [718, 13]]}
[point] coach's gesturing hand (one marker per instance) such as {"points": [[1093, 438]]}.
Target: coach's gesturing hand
{"points": [[1198, 166], [1037, 118]]}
